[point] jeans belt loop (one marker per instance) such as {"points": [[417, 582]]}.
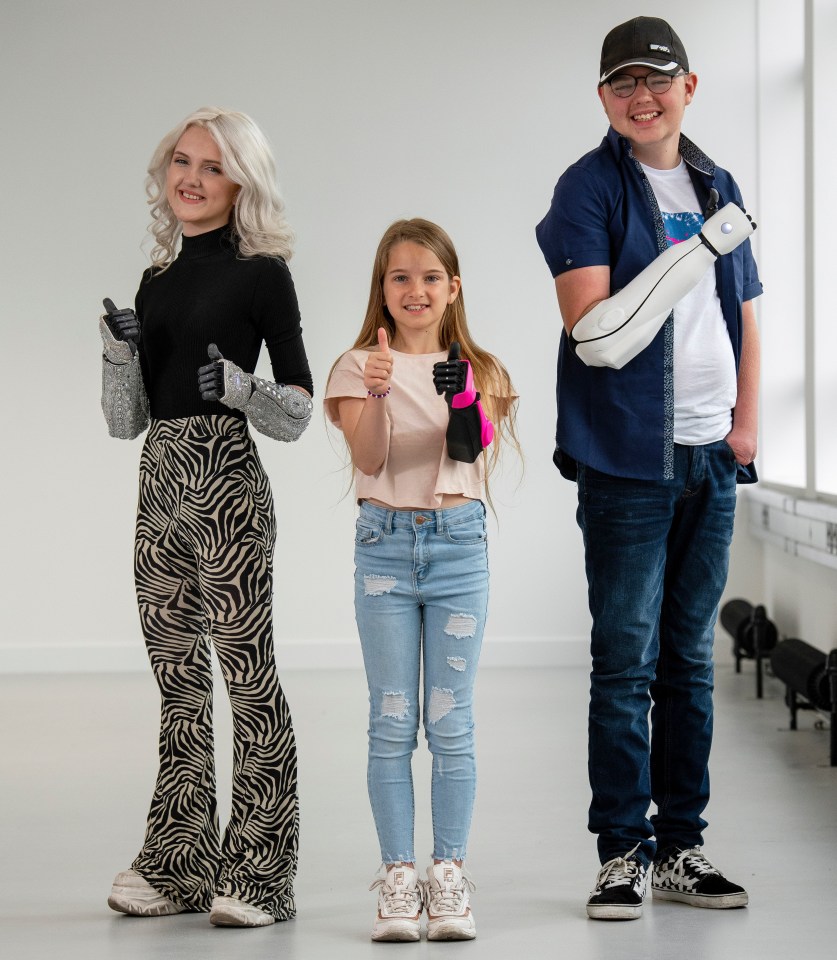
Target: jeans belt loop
{"points": [[388, 522]]}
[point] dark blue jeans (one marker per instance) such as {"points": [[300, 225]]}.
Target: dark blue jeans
{"points": [[656, 555]]}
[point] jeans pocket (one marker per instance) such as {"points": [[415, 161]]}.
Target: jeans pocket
{"points": [[471, 530], [367, 533], [728, 450]]}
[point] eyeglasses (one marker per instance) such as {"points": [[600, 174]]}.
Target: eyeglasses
{"points": [[623, 84]]}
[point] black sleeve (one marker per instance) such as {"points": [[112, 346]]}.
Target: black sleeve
{"points": [[138, 310], [276, 316]]}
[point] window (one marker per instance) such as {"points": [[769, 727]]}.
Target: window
{"points": [[795, 248]]}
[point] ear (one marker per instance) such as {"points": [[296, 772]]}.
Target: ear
{"points": [[455, 287], [600, 92], [690, 85]]}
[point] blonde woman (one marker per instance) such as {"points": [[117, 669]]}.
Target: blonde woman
{"points": [[416, 429], [182, 366]]}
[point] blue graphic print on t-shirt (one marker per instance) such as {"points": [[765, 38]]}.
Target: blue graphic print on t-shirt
{"points": [[681, 226]]}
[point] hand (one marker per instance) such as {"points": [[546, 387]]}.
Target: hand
{"points": [[211, 377], [747, 215], [123, 324], [377, 373], [449, 375], [743, 444], [712, 205]]}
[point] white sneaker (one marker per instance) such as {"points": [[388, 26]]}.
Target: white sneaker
{"points": [[447, 898], [132, 895], [232, 912], [399, 904]]}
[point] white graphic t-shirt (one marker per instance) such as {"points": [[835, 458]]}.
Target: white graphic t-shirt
{"points": [[705, 383]]}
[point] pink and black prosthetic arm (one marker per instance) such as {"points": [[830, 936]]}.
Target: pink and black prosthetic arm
{"points": [[469, 429]]}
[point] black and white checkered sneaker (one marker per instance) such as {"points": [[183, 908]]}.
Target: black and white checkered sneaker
{"points": [[688, 877], [619, 890]]}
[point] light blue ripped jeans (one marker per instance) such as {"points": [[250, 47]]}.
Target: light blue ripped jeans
{"points": [[421, 593]]}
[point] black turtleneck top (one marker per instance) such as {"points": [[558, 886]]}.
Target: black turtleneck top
{"points": [[210, 294]]}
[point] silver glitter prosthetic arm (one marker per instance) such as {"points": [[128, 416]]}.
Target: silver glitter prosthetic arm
{"points": [[275, 410], [621, 327], [124, 401]]}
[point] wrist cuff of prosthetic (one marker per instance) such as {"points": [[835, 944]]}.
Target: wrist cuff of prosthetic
{"points": [[469, 429], [116, 351]]}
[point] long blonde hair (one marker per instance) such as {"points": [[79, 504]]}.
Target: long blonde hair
{"points": [[259, 212], [491, 378]]}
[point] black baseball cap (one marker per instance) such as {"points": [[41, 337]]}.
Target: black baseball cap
{"points": [[642, 42]]}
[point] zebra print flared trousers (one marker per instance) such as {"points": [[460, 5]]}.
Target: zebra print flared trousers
{"points": [[203, 566]]}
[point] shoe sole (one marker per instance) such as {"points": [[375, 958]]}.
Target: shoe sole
{"points": [[231, 915], [727, 901], [399, 931], [451, 931], [611, 911], [162, 908]]}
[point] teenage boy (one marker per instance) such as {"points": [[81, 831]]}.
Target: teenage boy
{"points": [[657, 420]]}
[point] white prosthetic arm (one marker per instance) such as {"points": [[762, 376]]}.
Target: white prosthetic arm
{"points": [[621, 327]]}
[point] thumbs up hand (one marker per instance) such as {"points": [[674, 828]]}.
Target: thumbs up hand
{"points": [[449, 375], [211, 376], [377, 373], [120, 332]]}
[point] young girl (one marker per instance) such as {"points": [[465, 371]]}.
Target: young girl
{"points": [[205, 524], [421, 579]]}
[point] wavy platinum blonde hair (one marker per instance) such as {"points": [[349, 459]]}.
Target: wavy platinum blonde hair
{"points": [[246, 158]]}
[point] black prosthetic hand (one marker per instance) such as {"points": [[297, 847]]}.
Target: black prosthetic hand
{"points": [[211, 376], [222, 380], [123, 324], [449, 375]]}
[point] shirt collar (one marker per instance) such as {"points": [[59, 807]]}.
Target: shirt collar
{"points": [[691, 153]]}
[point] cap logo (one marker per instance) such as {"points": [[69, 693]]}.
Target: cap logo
{"points": [[658, 46]]}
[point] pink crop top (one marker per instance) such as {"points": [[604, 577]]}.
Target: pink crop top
{"points": [[417, 470]]}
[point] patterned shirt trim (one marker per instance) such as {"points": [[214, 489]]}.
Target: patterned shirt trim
{"points": [[668, 329], [695, 157]]}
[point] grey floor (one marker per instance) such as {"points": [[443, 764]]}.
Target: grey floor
{"points": [[78, 763]]}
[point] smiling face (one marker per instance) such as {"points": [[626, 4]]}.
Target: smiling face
{"points": [[651, 121], [417, 291], [199, 194]]}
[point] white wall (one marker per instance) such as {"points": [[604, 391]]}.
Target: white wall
{"points": [[464, 112]]}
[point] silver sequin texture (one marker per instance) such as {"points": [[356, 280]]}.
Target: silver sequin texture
{"points": [[124, 401], [277, 411], [117, 351], [237, 386]]}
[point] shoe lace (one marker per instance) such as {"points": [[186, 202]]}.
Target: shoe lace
{"points": [[693, 858], [398, 899], [620, 871], [448, 897]]}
